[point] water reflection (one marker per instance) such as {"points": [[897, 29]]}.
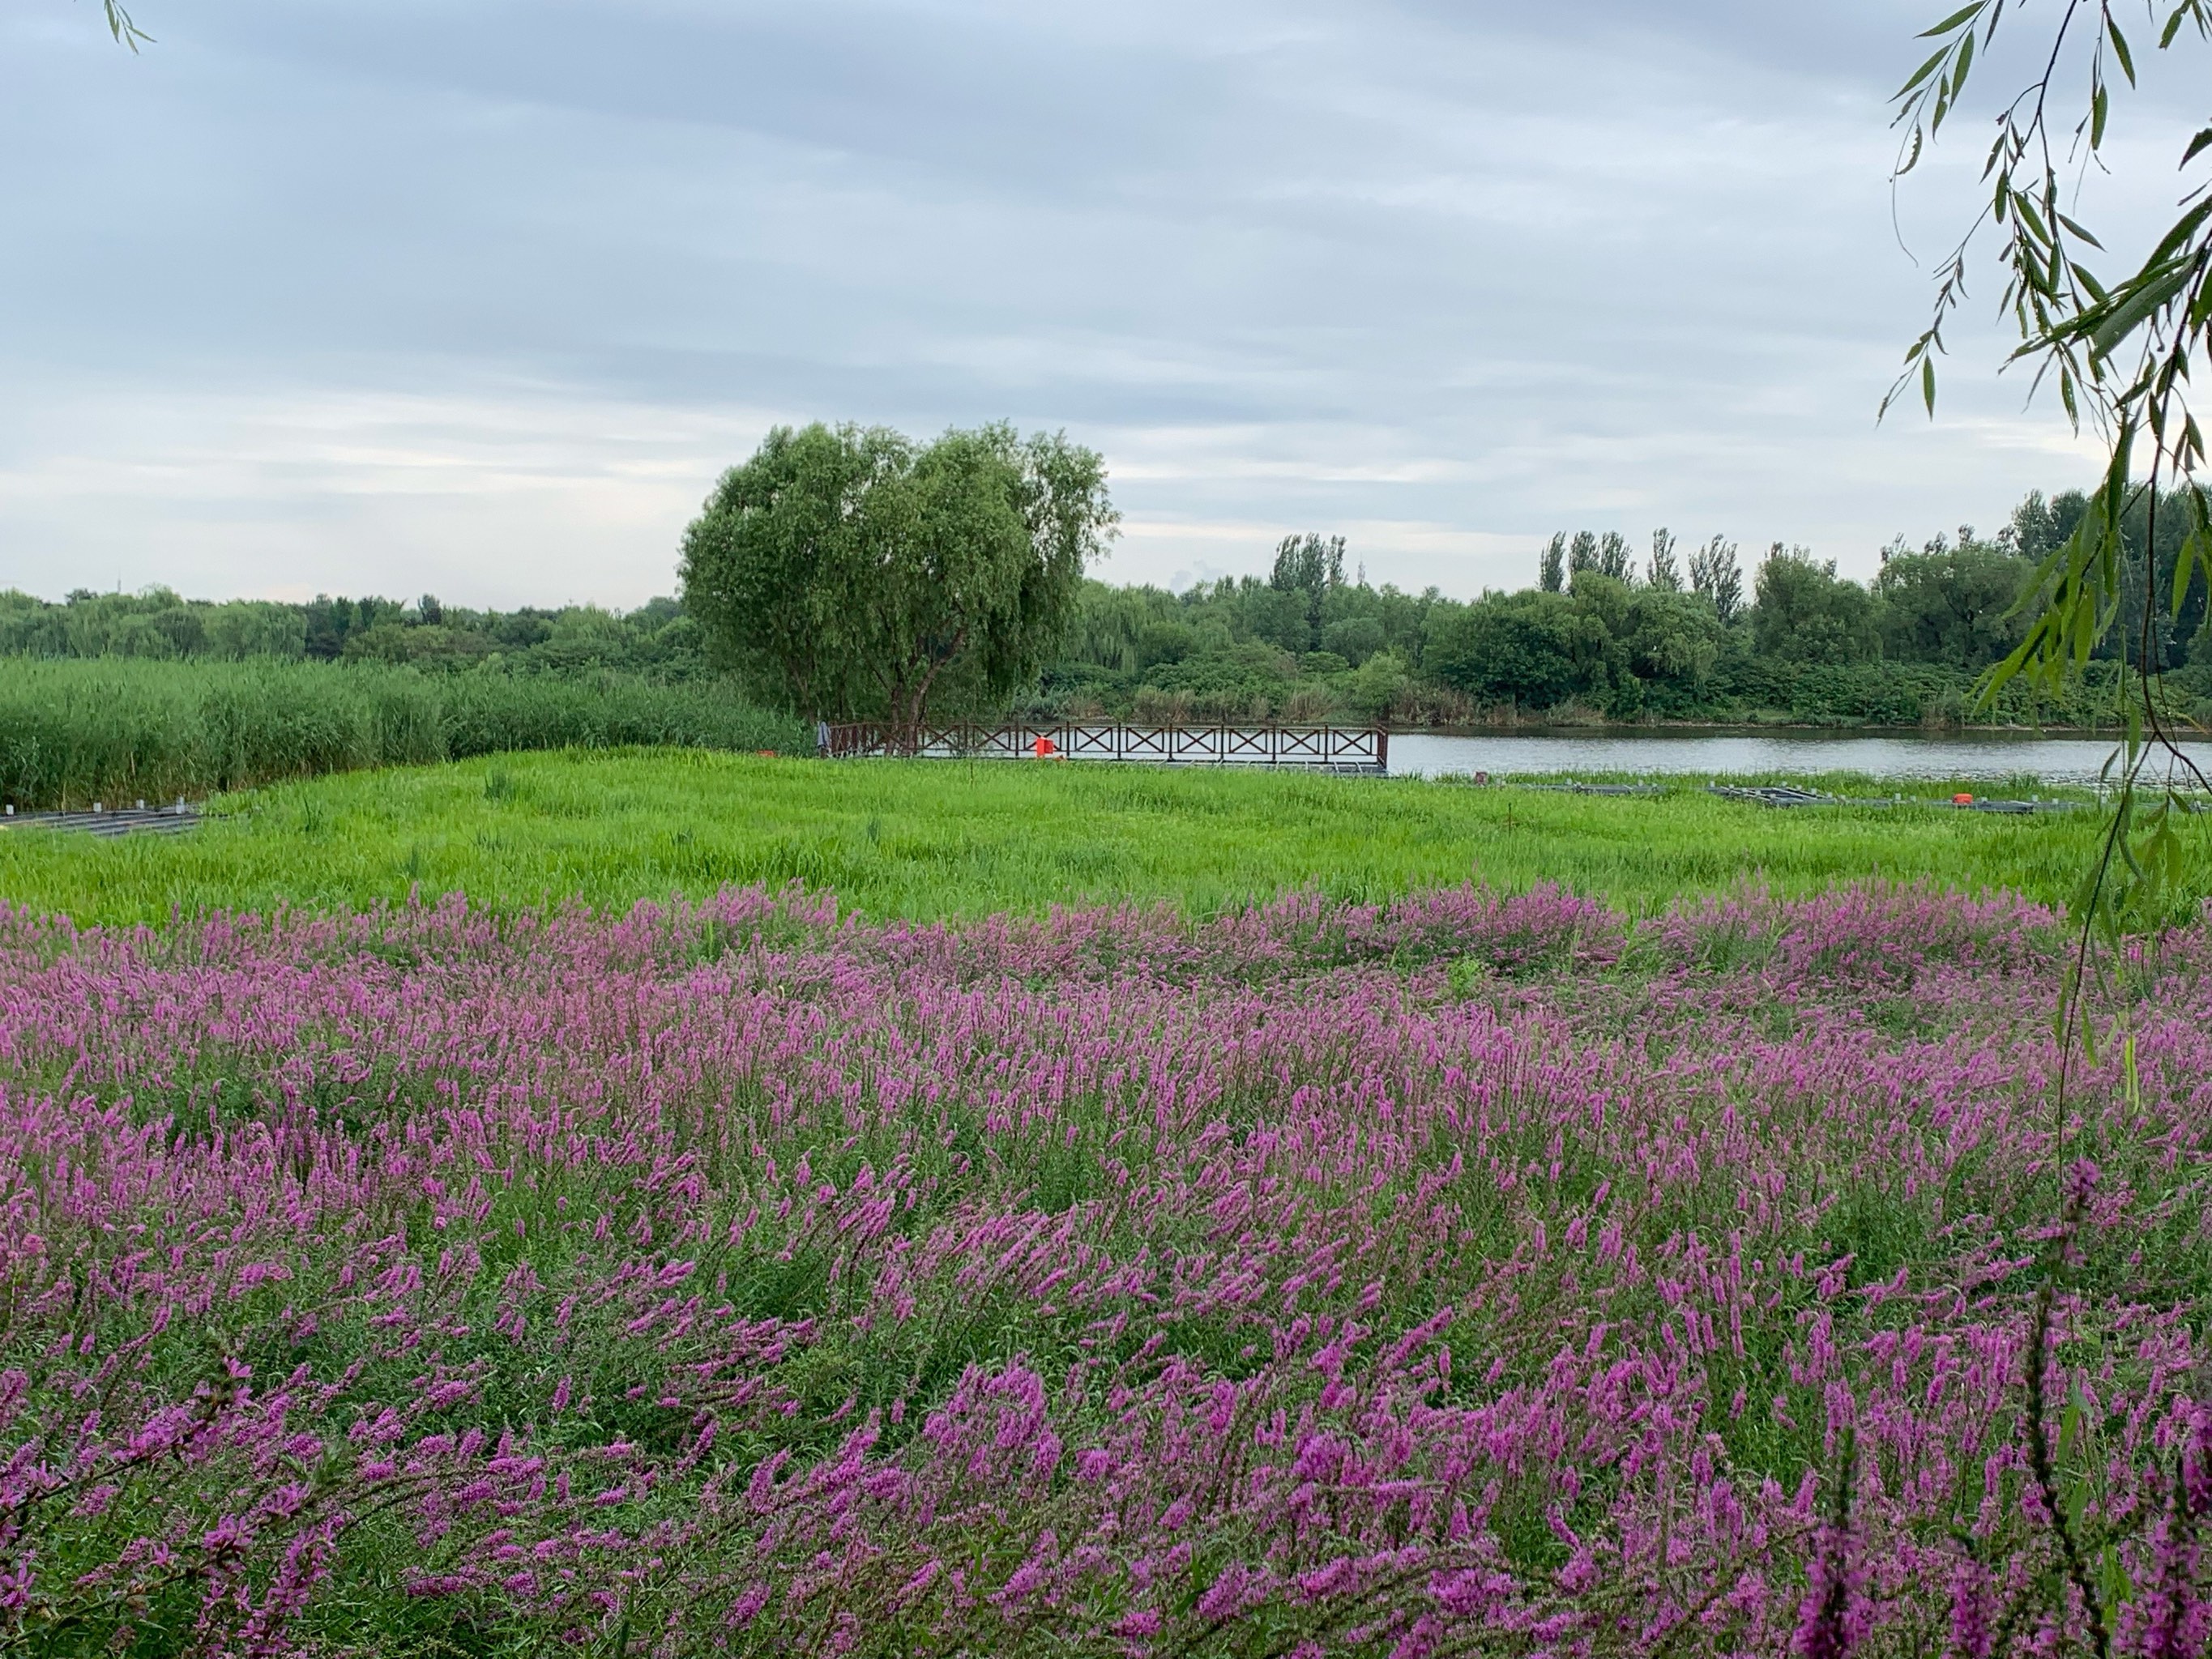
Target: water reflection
{"points": [[1901, 758]]}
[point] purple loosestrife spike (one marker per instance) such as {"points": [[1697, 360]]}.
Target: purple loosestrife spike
{"points": [[1002, 1277]]}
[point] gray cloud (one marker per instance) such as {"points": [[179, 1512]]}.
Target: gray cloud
{"points": [[353, 296]]}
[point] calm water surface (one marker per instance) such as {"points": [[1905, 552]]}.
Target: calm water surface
{"points": [[1905, 758]]}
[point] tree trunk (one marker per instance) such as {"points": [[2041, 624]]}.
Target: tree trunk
{"points": [[930, 673]]}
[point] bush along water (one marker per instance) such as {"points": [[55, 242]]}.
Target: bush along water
{"points": [[1466, 1275], [73, 732]]}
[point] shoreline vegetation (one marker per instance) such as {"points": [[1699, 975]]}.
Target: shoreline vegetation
{"points": [[1687, 640], [76, 731], [117, 729]]}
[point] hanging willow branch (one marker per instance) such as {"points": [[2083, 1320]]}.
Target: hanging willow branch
{"points": [[2119, 353], [119, 25]]}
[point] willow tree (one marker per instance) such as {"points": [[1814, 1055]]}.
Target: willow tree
{"points": [[853, 571], [2117, 350]]}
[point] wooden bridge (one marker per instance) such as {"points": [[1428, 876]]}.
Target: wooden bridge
{"points": [[107, 822], [1358, 750]]}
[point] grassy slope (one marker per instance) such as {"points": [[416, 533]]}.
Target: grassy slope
{"points": [[926, 839]]}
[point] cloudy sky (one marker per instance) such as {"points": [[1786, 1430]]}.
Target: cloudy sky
{"points": [[477, 298]]}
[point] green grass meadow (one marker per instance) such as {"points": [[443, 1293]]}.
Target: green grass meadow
{"points": [[928, 838]]}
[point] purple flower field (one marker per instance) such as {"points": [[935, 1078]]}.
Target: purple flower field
{"points": [[1471, 1275]]}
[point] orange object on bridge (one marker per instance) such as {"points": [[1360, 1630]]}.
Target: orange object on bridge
{"points": [[1962, 800], [1045, 746]]}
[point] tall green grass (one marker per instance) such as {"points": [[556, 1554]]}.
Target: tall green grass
{"points": [[936, 838], [72, 733]]}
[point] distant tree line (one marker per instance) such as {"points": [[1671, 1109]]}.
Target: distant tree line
{"points": [[852, 572], [657, 641], [1609, 631]]}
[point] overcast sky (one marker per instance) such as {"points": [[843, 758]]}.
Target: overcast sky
{"points": [[387, 295]]}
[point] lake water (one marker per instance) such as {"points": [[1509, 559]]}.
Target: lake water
{"points": [[1906, 758]]}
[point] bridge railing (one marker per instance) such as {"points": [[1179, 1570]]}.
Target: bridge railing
{"points": [[1331, 748]]}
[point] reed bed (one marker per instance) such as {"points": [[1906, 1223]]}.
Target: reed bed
{"points": [[74, 733]]}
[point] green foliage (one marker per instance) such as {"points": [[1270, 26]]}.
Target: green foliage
{"points": [[2121, 345], [1805, 612], [1813, 647], [1528, 648], [657, 641], [1672, 642], [1715, 573], [773, 566], [1308, 643], [2123, 349], [1240, 648], [157, 622], [73, 732], [1371, 690], [1949, 605], [1250, 681], [1304, 644], [1551, 568], [2107, 572], [1309, 567], [855, 573], [1605, 556], [932, 838], [1355, 639]]}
